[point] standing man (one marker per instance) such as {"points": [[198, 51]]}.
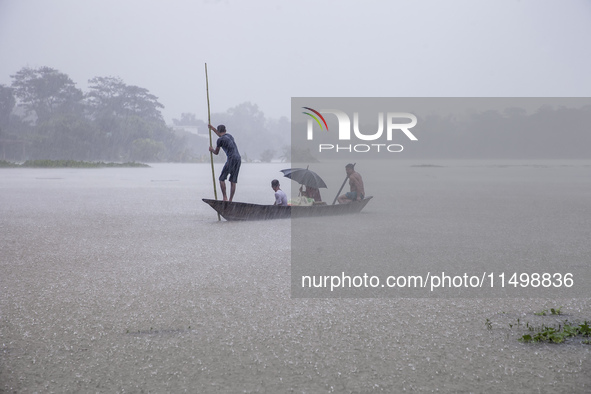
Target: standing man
{"points": [[280, 196], [233, 161], [357, 192]]}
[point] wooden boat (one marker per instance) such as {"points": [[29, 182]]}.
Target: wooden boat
{"points": [[245, 211]]}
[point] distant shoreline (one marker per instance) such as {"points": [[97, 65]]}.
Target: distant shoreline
{"points": [[67, 164]]}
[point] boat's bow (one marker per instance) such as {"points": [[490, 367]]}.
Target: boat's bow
{"points": [[246, 211]]}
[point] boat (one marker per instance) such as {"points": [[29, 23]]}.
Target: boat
{"points": [[246, 211]]}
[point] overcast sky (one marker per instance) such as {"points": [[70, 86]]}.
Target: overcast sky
{"points": [[267, 51]]}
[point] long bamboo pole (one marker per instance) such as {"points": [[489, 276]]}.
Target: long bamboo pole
{"points": [[215, 192]]}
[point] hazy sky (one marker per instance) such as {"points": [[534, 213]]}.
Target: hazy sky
{"points": [[267, 51]]}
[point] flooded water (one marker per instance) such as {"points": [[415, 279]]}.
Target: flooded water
{"points": [[488, 220], [123, 280]]}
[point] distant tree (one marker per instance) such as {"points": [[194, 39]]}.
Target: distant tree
{"points": [[515, 112], [279, 132], [189, 122], [253, 132], [285, 153], [248, 112], [7, 103], [302, 155], [66, 137], [130, 118], [112, 121], [267, 155], [187, 119], [145, 149], [111, 97], [45, 91], [247, 124]]}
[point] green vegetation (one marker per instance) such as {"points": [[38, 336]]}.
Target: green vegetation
{"points": [[552, 311], [67, 163], [7, 164], [557, 333]]}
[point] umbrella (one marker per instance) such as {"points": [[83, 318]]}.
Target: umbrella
{"points": [[304, 177]]}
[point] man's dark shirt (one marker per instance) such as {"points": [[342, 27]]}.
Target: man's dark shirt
{"points": [[226, 142]]}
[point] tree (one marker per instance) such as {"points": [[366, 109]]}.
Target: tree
{"points": [[45, 91], [253, 132], [7, 103], [188, 119], [247, 124], [285, 153], [130, 118], [66, 137], [145, 149], [111, 97], [279, 132], [267, 155]]}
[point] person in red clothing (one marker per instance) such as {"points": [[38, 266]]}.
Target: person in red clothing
{"points": [[311, 192]]}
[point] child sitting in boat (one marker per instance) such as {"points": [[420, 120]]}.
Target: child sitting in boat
{"points": [[280, 196]]}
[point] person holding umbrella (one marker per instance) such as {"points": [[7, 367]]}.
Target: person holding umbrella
{"points": [[311, 192], [308, 178], [357, 192], [233, 161]]}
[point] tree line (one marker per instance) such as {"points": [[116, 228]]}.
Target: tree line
{"points": [[43, 115]]}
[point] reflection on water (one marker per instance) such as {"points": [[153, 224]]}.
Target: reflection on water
{"points": [[123, 280]]}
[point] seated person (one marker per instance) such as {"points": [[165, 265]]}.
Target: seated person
{"points": [[311, 192], [280, 196], [357, 192]]}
